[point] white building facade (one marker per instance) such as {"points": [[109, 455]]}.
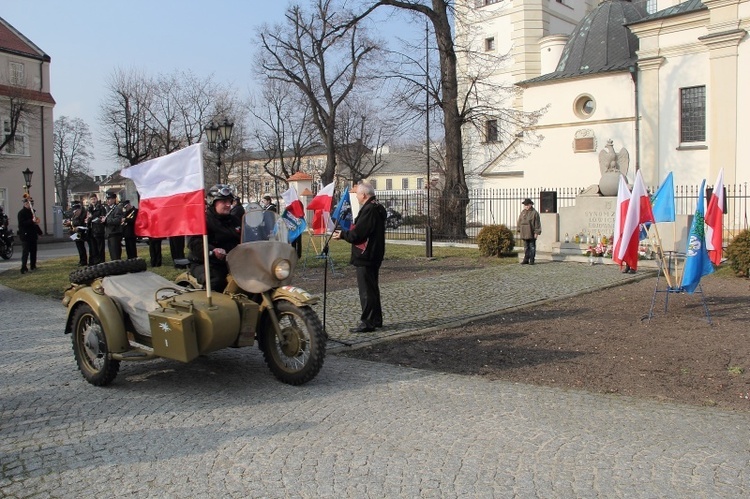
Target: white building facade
{"points": [[664, 79]]}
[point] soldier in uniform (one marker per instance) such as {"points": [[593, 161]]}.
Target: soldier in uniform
{"points": [[95, 222], [113, 227]]}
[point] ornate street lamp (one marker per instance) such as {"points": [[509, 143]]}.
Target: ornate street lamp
{"points": [[218, 137], [27, 179]]}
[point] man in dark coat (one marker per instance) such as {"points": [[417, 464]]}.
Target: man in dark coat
{"points": [[129, 214], [237, 209], [529, 226], [113, 227], [96, 214], [223, 235], [29, 232], [80, 232], [367, 237]]}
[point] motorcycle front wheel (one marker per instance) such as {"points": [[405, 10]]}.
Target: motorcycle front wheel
{"points": [[297, 358], [90, 348]]}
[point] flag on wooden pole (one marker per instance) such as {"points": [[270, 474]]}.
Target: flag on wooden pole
{"points": [[714, 221]]}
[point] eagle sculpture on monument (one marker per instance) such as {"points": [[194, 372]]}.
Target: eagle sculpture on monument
{"points": [[612, 165]]}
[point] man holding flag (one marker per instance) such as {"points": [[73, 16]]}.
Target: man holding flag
{"points": [[367, 237]]}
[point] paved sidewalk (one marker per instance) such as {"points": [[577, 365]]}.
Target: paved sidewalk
{"points": [[457, 297], [222, 426]]}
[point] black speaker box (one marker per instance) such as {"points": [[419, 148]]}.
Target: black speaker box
{"points": [[548, 202]]}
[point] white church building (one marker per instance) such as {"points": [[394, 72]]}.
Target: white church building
{"points": [[667, 80]]}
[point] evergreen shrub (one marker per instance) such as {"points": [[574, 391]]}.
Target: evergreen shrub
{"points": [[495, 240], [738, 253]]}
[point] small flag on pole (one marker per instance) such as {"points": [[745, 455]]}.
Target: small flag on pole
{"points": [[697, 263], [715, 220], [343, 212], [662, 202]]}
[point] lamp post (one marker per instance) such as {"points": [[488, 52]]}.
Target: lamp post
{"points": [[27, 179], [218, 137]]}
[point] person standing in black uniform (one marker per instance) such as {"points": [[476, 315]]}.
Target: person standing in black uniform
{"points": [[237, 209], [113, 227], [129, 214], [80, 232], [29, 232], [96, 213], [367, 237], [223, 235]]}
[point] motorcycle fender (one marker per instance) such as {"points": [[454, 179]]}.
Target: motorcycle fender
{"points": [[297, 296], [107, 312]]}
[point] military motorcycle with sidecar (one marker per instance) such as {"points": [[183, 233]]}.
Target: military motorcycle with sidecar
{"points": [[118, 311]]}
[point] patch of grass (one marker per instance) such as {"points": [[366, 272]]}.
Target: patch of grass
{"points": [[53, 276], [735, 370]]}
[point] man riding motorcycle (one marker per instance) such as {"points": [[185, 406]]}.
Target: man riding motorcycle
{"points": [[223, 235]]}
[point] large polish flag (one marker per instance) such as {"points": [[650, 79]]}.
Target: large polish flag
{"points": [[715, 220], [172, 194], [639, 211], [623, 200]]}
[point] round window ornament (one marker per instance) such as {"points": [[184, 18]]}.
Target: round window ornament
{"points": [[585, 106]]}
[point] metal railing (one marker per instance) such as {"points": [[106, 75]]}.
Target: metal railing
{"points": [[502, 207]]}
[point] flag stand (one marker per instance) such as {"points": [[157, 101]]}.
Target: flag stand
{"points": [[318, 255], [670, 261]]}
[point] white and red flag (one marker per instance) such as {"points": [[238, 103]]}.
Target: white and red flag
{"points": [[639, 211], [171, 194], [321, 204], [322, 200], [292, 203], [715, 221], [623, 200]]}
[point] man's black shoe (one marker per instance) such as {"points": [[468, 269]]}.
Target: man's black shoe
{"points": [[362, 328]]}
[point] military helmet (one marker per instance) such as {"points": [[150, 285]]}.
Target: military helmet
{"points": [[219, 191]]}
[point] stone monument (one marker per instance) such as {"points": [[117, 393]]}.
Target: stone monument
{"points": [[612, 165]]}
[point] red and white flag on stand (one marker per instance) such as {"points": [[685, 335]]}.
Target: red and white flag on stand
{"points": [[171, 194], [323, 199], [623, 200], [639, 211], [321, 204], [715, 220]]}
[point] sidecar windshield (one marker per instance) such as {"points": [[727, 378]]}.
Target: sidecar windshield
{"points": [[260, 225]]}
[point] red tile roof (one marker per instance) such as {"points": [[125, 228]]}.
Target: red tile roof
{"points": [[13, 41]]}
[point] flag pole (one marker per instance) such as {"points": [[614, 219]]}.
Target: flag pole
{"points": [[661, 255], [206, 268]]}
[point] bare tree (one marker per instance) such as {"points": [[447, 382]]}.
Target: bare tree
{"points": [[322, 54], [21, 112], [72, 150], [127, 119], [360, 136], [283, 129]]}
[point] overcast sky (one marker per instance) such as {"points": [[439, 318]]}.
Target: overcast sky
{"points": [[88, 39]]}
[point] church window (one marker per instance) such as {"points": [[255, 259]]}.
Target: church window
{"points": [[491, 131], [693, 114]]}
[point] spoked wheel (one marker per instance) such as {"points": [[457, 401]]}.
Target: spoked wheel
{"points": [[90, 348], [298, 358]]}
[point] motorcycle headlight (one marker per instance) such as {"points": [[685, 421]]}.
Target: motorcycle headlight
{"points": [[282, 269]]}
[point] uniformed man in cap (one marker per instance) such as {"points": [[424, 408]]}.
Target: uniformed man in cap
{"points": [[113, 227]]}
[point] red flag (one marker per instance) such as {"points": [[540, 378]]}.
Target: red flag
{"points": [[321, 222], [172, 194], [292, 202], [322, 201], [639, 211], [623, 200], [715, 220]]}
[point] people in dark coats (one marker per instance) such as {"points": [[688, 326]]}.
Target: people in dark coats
{"points": [[223, 235], [177, 250], [237, 209], [129, 214], [154, 251], [95, 222], [367, 237], [29, 232], [529, 226], [113, 227], [267, 204], [79, 230]]}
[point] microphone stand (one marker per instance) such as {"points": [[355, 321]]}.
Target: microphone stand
{"points": [[324, 252]]}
